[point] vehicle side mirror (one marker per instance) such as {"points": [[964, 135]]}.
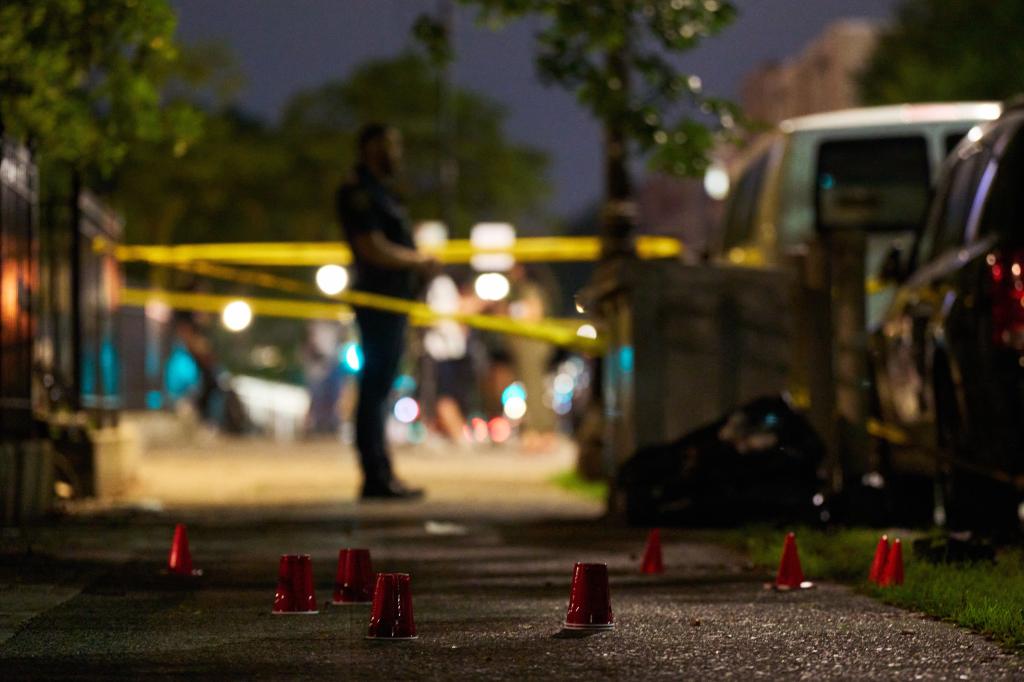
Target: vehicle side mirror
{"points": [[893, 270]]}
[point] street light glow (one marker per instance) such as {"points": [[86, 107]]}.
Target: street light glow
{"points": [[587, 331], [237, 316], [492, 286], [491, 237], [515, 408], [716, 182], [407, 410], [332, 279]]}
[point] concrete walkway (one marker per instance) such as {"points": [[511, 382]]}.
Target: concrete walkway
{"points": [[490, 586]]}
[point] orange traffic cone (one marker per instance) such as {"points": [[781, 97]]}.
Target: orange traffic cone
{"points": [[652, 563], [893, 573], [180, 560], [790, 575], [878, 564]]}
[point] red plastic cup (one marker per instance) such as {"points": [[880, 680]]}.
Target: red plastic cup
{"points": [[590, 605], [353, 584], [391, 614], [283, 594], [305, 596], [295, 592]]}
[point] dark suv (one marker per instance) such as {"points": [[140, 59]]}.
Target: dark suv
{"points": [[949, 356]]}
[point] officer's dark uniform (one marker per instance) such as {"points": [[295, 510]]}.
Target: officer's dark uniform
{"points": [[365, 205]]}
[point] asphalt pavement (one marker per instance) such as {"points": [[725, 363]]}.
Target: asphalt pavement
{"points": [[85, 598]]}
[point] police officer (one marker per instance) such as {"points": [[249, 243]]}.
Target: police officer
{"points": [[386, 262]]}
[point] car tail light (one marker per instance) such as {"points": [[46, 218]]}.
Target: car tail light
{"points": [[1007, 274]]}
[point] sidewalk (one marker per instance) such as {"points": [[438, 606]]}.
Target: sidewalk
{"points": [[323, 475], [490, 586]]}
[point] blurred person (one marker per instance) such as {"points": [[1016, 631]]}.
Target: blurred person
{"points": [[531, 359], [386, 262], [206, 383], [447, 343], [323, 374]]}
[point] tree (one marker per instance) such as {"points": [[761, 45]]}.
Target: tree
{"points": [[500, 179], [81, 81], [937, 50], [244, 180], [615, 56]]}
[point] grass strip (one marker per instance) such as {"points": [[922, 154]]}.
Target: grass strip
{"points": [[985, 597], [572, 482]]}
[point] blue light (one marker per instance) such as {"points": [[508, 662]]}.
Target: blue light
{"points": [[626, 359], [404, 384], [181, 374], [514, 390], [154, 400], [352, 355], [828, 181]]}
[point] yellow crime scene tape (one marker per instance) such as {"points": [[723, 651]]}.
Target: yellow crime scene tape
{"points": [[557, 332], [454, 252], [195, 258]]}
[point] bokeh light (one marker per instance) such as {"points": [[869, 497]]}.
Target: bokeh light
{"points": [[406, 410], [237, 316], [492, 286], [515, 408], [332, 279]]}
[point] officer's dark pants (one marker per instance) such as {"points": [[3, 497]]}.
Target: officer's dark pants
{"points": [[383, 340]]}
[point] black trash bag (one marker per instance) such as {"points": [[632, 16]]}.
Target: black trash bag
{"points": [[759, 463]]}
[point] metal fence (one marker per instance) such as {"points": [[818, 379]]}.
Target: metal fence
{"points": [[18, 270]]}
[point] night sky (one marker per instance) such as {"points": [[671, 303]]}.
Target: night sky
{"points": [[288, 45]]}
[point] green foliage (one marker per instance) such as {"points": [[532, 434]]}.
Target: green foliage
{"points": [[498, 179], [248, 181], [938, 50], [615, 56], [572, 482], [82, 81], [985, 597]]}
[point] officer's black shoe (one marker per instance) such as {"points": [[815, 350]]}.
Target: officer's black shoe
{"points": [[390, 490]]}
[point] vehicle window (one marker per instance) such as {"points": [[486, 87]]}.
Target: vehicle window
{"points": [[955, 195], [953, 139], [1004, 208], [741, 211], [879, 184]]}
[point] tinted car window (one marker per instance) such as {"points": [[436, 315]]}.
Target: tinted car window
{"points": [[955, 196], [1004, 208], [873, 184], [742, 209]]}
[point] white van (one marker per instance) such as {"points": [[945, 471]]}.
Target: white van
{"points": [[869, 169]]}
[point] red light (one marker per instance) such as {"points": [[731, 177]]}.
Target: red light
{"points": [[479, 429], [1007, 300], [500, 429]]}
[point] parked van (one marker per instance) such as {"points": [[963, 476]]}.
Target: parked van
{"points": [[870, 169]]}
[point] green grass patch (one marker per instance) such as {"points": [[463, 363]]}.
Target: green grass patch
{"points": [[985, 597], [574, 483]]}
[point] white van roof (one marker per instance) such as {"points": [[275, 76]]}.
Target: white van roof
{"points": [[937, 112]]}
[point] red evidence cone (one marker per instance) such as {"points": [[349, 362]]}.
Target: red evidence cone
{"points": [[878, 564], [295, 593], [651, 563], [893, 572], [391, 614], [590, 606], [790, 575], [353, 583], [179, 562]]}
